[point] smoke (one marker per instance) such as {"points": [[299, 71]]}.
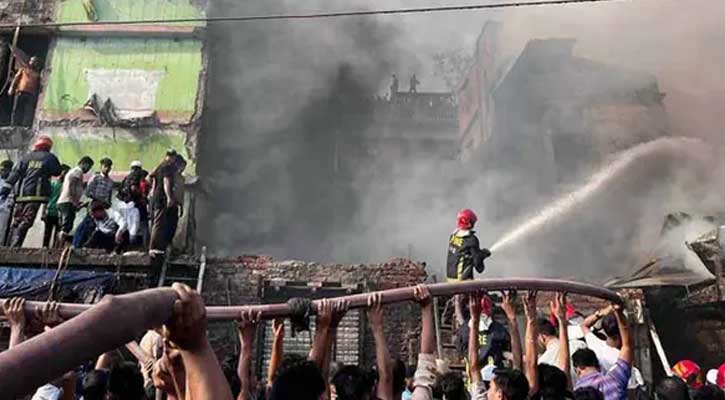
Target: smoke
{"points": [[289, 101]]}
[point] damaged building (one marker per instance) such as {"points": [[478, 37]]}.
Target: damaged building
{"points": [[546, 117], [128, 92], [131, 92]]}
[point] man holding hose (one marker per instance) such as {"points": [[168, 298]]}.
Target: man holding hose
{"points": [[464, 253]]}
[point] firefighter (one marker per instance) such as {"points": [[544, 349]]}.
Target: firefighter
{"points": [[31, 180], [464, 253]]}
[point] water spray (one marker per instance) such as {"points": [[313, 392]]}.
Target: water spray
{"points": [[664, 148]]}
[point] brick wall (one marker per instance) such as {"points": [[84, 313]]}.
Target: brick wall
{"points": [[238, 281]]}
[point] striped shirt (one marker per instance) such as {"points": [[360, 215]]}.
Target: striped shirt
{"points": [[613, 384], [100, 188]]}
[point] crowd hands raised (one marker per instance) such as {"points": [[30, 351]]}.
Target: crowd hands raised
{"points": [[183, 365]]}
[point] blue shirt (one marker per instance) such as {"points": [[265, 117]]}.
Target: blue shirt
{"points": [[613, 384]]}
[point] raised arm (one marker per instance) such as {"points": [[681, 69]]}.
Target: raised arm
{"points": [[248, 324], [14, 84], [339, 309], [563, 359], [474, 303], [13, 309], [589, 321], [322, 331], [427, 335], [187, 330], [532, 332], [382, 355], [425, 374], [509, 308], [625, 353], [277, 351]]}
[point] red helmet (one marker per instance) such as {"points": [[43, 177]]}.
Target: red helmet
{"points": [[43, 143], [466, 219], [689, 372], [570, 313], [721, 377], [486, 305]]}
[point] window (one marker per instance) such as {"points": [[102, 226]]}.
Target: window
{"points": [[348, 344]]}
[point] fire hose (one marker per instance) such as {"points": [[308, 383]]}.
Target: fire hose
{"points": [[117, 320]]}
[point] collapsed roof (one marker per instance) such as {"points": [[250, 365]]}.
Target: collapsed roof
{"points": [[675, 261]]}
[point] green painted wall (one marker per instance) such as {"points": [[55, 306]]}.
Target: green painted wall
{"points": [[130, 10], [181, 59], [122, 147]]}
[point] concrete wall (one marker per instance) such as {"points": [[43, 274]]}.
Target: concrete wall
{"points": [[244, 275]]}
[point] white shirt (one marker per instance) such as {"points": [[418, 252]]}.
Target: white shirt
{"points": [[7, 202], [551, 355], [608, 357], [47, 392], [72, 188], [127, 217]]}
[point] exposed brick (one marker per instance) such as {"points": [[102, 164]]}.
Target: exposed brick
{"points": [[245, 274]]}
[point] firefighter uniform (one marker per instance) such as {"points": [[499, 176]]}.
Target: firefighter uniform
{"points": [[464, 255]]}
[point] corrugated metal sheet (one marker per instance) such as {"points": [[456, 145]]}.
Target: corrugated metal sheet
{"points": [[180, 61], [129, 10], [147, 145]]}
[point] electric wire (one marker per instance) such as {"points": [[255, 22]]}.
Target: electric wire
{"points": [[273, 17]]}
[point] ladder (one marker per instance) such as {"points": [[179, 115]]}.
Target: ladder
{"points": [[191, 274]]}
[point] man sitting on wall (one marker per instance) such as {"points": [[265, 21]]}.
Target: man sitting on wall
{"points": [[116, 229], [100, 193]]}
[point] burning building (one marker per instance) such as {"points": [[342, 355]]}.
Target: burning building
{"points": [[548, 118]]}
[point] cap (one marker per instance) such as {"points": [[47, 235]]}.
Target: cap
{"points": [[712, 377], [717, 376], [488, 373], [136, 163]]}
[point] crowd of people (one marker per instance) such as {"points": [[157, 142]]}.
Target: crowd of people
{"points": [[549, 364], [137, 213]]}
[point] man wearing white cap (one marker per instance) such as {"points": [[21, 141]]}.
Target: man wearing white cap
{"points": [[133, 190]]}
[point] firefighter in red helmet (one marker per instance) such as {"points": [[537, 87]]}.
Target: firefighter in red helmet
{"points": [[464, 252]]}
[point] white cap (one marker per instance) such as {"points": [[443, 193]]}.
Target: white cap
{"points": [[136, 163], [712, 376], [488, 373]]}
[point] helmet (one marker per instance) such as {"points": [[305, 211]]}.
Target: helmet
{"points": [[466, 219], [689, 372], [486, 305], [43, 142]]}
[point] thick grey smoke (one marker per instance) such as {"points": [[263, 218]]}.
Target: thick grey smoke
{"points": [[284, 96]]}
